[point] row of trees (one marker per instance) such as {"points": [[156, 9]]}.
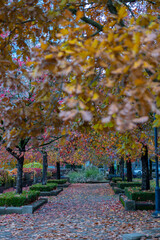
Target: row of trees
{"points": [[94, 65]]}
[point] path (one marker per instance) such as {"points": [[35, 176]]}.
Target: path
{"points": [[82, 211]]}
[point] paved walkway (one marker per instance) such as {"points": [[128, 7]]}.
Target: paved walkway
{"points": [[82, 211]]}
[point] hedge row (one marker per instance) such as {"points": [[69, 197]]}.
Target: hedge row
{"points": [[43, 188], [123, 185], [138, 195], [58, 181], [17, 200]]}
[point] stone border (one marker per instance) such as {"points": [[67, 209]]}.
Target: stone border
{"points": [[51, 193], [128, 204], [133, 236], [65, 185], [134, 205], [96, 182], [118, 190], [148, 234], [24, 209]]}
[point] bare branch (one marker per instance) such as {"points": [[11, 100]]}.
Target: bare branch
{"points": [[14, 154]]}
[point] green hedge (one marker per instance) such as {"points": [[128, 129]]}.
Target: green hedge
{"points": [[117, 179], [138, 195], [43, 188], [17, 200], [58, 181], [123, 185], [145, 207], [122, 201]]}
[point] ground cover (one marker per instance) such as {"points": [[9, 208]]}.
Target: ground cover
{"points": [[82, 211]]}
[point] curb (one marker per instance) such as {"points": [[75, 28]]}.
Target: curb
{"points": [[51, 193], [24, 209]]}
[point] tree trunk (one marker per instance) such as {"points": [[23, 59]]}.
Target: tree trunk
{"points": [[121, 168], [150, 170], [129, 170], [45, 165], [145, 171], [58, 170], [20, 162], [73, 166], [111, 169]]}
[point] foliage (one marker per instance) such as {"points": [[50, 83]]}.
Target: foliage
{"points": [[17, 200], [49, 174], [43, 188], [116, 179], [106, 70], [123, 185], [5, 177], [58, 181], [33, 165], [89, 174], [137, 194]]}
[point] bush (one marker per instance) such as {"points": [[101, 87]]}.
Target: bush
{"points": [[87, 175], [6, 179], [58, 181], [138, 195], [128, 184], [49, 174], [43, 188], [116, 179], [17, 200]]}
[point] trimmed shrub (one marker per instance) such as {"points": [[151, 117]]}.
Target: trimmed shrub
{"points": [[58, 181], [123, 185], [17, 200], [138, 195], [43, 188], [116, 179], [87, 175], [122, 201]]}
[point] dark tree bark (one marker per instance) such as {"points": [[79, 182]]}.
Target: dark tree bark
{"points": [[129, 170], [73, 167], [20, 161], [145, 171], [150, 170], [58, 170], [19, 185], [45, 165], [111, 169], [121, 168]]}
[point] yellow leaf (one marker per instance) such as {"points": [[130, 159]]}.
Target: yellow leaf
{"points": [[95, 43], [48, 57], [139, 82], [79, 15], [95, 97], [110, 37], [64, 31], [122, 13], [118, 49], [63, 2], [137, 64], [60, 54], [43, 45]]}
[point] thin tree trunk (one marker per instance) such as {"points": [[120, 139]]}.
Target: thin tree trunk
{"points": [[145, 171], [150, 170], [121, 168], [45, 165], [19, 186], [58, 170], [129, 170], [111, 169]]}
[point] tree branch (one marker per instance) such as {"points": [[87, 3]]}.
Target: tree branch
{"points": [[14, 154], [87, 20], [45, 144]]}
